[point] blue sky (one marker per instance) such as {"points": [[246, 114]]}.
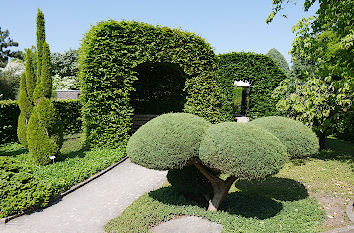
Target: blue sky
{"points": [[228, 25]]}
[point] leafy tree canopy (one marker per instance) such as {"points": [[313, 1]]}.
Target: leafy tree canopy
{"points": [[5, 52]]}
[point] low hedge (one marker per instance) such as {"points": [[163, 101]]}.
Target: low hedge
{"points": [[69, 111], [20, 189], [9, 113]]}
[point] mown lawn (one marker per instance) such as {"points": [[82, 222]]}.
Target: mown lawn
{"points": [[308, 195]]}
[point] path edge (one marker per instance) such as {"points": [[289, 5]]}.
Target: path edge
{"points": [[60, 195]]}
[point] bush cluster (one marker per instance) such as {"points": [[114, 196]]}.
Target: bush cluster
{"points": [[299, 140], [69, 111], [108, 57], [263, 74], [20, 189], [9, 112]]}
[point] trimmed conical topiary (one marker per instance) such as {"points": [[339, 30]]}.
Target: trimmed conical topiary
{"points": [[27, 84], [44, 83], [45, 132]]}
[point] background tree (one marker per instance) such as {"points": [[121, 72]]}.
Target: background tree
{"points": [[279, 59], [65, 70], [10, 79], [5, 52], [325, 41]]}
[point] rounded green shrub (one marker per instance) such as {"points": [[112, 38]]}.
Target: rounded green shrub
{"points": [[45, 132], [190, 180], [242, 150], [299, 140], [168, 141]]}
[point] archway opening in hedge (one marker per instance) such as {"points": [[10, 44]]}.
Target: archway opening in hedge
{"points": [[159, 89]]}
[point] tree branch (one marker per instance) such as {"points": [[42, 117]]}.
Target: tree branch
{"points": [[213, 179]]}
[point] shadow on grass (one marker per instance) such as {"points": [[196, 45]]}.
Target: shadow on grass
{"points": [[254, 206], [73, 146], [251, 206], [14, 152], [281, 189], [336, 149]]}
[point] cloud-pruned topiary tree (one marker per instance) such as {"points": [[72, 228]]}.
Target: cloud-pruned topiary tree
{"points": [[299, 140], [39, 126], [180, 140]]}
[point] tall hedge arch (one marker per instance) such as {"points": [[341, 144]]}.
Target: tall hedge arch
{"points": [[109, 54], [258, 69]]}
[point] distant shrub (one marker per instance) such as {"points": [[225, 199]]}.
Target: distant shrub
{"points": [[168, 141], [299, 140], [260, 71], [45, 132], [19, 189], [9, 113]]}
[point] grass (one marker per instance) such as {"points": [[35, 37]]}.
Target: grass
{"points": [[73, 166], [295, 200]]}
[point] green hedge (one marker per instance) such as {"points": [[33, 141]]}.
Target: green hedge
{"points": [[110, 53], [263, 74], [69, 111], [9, 113]]}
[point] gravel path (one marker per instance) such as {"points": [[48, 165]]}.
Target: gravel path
{"points": [[90, 207]]}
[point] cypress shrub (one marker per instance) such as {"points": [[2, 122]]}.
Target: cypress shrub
{"points": [[299, 140], [25, 103], [44, 83], [45, 132], [259, 70], [108, 57]]}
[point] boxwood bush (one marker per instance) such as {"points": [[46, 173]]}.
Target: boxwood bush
{"points": [[260, 70], [110, 53], [299, 140], [20, 189]]}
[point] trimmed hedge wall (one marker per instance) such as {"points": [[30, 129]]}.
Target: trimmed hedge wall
{"points": [[263, 74], [69, 111], [9, 113], [108, 57]]}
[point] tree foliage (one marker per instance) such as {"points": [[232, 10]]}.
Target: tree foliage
{"points": [[10, 79], [279, 59], [5, 51], [324, 41], [65, 70]]}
